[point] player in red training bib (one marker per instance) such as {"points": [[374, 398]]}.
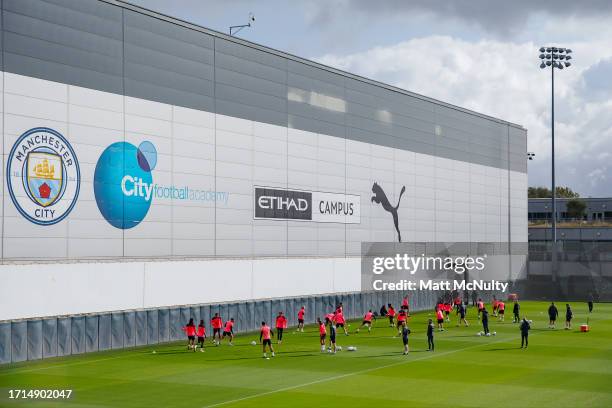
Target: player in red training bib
{"points": [[480, 306], [440, 318], [301, 314], [340, 321], [391, 315], [201, 333], [405, 304], [367, 321], [228, 331], [322, 334], [501, 310], [402, 317], [216, 324], [281, 324], [265, 338], [190, 330]]}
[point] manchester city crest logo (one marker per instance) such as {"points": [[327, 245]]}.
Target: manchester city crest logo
{"points": [[43, 176]]}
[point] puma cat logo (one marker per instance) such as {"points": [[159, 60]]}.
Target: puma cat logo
{"points": [[380, 197]]}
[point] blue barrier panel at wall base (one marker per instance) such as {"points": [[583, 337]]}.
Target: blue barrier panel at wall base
{"points": [[64, 334], [49, 333], [175, 324], [163, 325], [78, 334], [19, 340], [91, 333], [35, 342], [105, 334], [117, 331], [152, 327], [140, 330], [5, 343], [129, 329]]}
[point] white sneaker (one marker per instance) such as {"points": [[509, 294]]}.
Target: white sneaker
{"points": [[273, 354]]}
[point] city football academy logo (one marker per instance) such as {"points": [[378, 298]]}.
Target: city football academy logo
{"points": [[43, 176], [123, 183]]}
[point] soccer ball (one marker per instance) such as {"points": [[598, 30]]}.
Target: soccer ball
{"points": [[338, 348], [253, 343], [351, 348], [495, 333], [154, 352], [479, 334], [488, 334]]}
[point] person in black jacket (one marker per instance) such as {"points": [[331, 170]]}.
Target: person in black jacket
{"points": [[430, 335], [552, 315], [568, 317], [516, 309], [485, 321], [590, 302], [525, 326]]}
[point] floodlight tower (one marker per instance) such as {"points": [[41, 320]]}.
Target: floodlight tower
{"points": [[555, 58]]}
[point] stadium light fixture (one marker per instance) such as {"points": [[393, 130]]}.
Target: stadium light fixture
{"points": [[233, 30], [558, 58]]}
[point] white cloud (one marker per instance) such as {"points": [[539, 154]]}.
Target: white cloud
{"points": [[503, 79]]}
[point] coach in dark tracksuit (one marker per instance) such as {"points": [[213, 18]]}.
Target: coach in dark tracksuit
{"points": [[516, 309], [485, 321], [430, 334], [525, 326]]}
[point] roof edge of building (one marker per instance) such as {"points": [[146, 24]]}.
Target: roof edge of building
{"points": [[127, 5]]}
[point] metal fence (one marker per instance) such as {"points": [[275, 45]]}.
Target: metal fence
{"points": [[34, 339]]}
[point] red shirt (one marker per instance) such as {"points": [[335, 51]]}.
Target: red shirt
{"points": [[501, 305], [339, 318], [190, 330], [281, 322], [201, 331], [457, 301], [265, 332], [330, 316], [301, 314], [368, 317], [391, 312], [439, 314], [401, 316], [405, 302], [228, 326], [216, 322], [322, 329], [480, 305]]}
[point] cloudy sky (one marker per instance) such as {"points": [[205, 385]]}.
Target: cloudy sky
{"points": [[480, 54]]}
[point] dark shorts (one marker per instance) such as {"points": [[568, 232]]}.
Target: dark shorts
{"points": [[405, 340], [200, 339], [399, 322], [226, 333], [501, 311], [300, 320], [462, 315], [440, 320], [332, 338], [267, 342], [552, 318], [215, 331], [366, 322], [323, 336], [191, 337], [339, 325]]}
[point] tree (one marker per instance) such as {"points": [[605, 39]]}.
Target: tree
{"points": [[543, 192], [576, 208]]}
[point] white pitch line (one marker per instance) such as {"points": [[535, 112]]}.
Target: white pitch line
{"points": [[337, 377]]}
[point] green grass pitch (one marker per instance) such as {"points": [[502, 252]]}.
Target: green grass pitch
{"points": [[561, 368]]}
